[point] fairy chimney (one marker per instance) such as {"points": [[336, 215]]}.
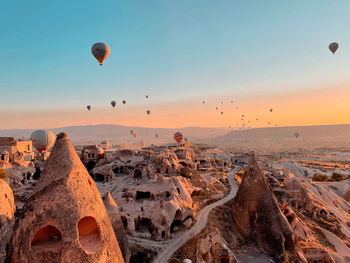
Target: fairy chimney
{"points": [[117, 224], [7, 210], [65, 219], [256, 212]]}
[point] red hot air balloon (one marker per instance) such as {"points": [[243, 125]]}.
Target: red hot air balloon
{"points": [[178, 136]]}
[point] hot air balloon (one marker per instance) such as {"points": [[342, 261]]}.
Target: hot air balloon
{"points": [[257, 119], [134, 134], [216, 108], [242, 115], [178, 136], [88, 107], [146, 96], [271, 110], [42, 140], [268, 123], [203, 101], [333, 47], [100, 51], [296, 134], [222, 113], [156, 135], [148, 112], [113, 103], [236, 108], [231, 101], [222, 102], [131, 132], [124, 101]]}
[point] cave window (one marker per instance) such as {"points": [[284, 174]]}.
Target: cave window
{"points": [[99, 177], [125, 221], [90, 165], [47, 237], [163, 234], [89, 234], [137, 174], [3, 157], [167, 194], [166, 170], [142, 195]]}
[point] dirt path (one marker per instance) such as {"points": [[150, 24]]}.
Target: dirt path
{"points": [[202, 218]]}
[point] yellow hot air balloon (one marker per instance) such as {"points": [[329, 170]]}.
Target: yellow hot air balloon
{"points": [[100, 51]]}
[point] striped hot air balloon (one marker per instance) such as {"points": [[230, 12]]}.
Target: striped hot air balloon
{"points": [[178, 136]]}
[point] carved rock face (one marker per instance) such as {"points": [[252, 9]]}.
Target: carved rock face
{"points": [[256, 211], [65, 220]]}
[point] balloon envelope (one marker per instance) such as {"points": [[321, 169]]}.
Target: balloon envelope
{"points": [[42, 139], [100, 51], [178, 136], [88, 107], [113, 103], [124, 101], [333, 47], [148, 112]]}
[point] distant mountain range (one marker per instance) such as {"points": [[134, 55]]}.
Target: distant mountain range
{"points": [[120, 134], [260, 139], [283, 138]]}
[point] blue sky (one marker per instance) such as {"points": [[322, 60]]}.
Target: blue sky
{"points": [[173, 50]]}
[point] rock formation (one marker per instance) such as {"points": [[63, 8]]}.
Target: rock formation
{"points": [[7, 210], [257, 213], [117, 224], [65, 219]]}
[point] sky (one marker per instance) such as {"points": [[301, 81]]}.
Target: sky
{"points": [[260, 54]]}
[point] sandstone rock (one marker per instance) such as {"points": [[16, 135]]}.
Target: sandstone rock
{"points": [[7, 210], [117, 224], [256, 212], [65, 219]]}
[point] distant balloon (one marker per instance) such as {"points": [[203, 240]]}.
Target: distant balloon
{"points": [[156, 135], [100, 51], [222, 102], [222, 113], [113, 103], [88, 107], [257, 119], [124, 101], [236, 108], [146, 96], [203, 101], [268, 123], [216, 108], [134, 134], [296, 134], [242, 115], [148, 112], [131, 132], [43, 140], [333, 47], [271, 110], [231, 101], [178, 136]]}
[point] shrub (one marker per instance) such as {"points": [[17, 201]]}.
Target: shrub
{"points": [[3, 174], [319, 177]]}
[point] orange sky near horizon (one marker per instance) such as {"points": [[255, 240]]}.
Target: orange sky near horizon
{"points": [[310, 107]]}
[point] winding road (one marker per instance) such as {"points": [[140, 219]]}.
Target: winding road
{"points": [[202, 218]]}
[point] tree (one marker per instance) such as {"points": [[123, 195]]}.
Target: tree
{"points": [[3, 174]]}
